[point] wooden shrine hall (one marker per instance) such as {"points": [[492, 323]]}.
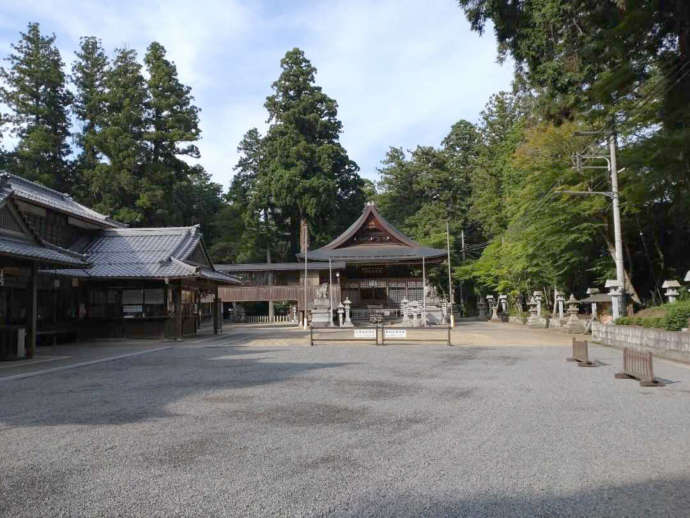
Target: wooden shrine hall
{"points": [[67, 271], [372, 264]]}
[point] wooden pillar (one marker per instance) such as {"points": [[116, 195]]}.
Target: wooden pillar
{"points": [[177, 298], [32, 311], [216, 313]]}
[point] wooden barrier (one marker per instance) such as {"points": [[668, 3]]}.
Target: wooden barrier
{"points": [[381, 335], [580, 354], [344, 334], [415, 334], [638, 365]]}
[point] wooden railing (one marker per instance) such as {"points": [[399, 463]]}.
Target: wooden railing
{"points": [[275, 293], [265, 319]]}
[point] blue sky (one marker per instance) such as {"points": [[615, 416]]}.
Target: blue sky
{"points": [[402, 71]]}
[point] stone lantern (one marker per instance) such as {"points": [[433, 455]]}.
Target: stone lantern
{"points": [[348, 320], [481, 305], [560, 302], [591, 292], [615, 291], [403, 308], [493, 305], [671, 287], [538, 297], [341, 312], [574, 324], [535, 319], [503, 303]]}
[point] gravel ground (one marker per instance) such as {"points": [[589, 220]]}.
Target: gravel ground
{"points": [[214, 428]]}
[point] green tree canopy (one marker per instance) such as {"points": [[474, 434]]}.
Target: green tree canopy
{"points": [[33, 87], [297, 170]]}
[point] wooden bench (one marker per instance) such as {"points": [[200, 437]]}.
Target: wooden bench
{"points": [[580, 354], [638, 365]]}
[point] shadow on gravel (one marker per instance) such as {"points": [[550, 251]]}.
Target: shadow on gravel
{"points": [[665, 497], [138, 389]]}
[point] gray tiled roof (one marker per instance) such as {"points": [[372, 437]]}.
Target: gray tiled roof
{"points": [[154, 253], [277, 267], [38, 194], [25, 249]]}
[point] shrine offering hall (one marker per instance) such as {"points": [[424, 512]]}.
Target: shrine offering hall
{"points": [[372, 264]]}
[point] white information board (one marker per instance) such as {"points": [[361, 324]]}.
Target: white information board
{"points": [[395, 333], [365, 333]]}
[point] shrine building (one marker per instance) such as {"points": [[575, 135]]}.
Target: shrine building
{"points": [[372, 264], [68, 272]]}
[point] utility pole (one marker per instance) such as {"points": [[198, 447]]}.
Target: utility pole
{"points": [[617, 233], [618, 305]]}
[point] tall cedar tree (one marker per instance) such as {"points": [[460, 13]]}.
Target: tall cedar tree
{"points": [[89, 78], [173, 127], [116, 183], [305, 171], [242, 229], [35, 91]]}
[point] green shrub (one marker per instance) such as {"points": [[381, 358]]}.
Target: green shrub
{"points": [[676, 318], [677, 315]]}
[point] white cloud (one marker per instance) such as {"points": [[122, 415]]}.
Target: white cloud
{"points": [[402, 71]]}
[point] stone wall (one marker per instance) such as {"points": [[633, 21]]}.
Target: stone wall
{"points": [[674, 345]]}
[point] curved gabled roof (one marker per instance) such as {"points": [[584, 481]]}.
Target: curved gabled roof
{"points": [[37, 194], [19, 240], [389, 244]]}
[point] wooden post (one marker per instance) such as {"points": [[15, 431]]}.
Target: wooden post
{"points": [[32, 310], [177, 297], [216, 316]]}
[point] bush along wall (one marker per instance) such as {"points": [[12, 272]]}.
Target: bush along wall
{"points": [[675, 319]]}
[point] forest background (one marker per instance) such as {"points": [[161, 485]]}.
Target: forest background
{"points": [[116, 132]]}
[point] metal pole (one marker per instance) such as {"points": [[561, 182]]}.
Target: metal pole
{"points": [[451, 299], [423, 293], [330, 291], [618, 236], [306, 251]]}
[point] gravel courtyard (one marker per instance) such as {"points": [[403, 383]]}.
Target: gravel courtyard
{"points": [[215, 428]]}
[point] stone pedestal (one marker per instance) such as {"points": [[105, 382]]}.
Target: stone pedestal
{"points": [[321, 314], [535, 319]]}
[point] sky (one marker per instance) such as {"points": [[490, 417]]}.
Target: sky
{"points": [[402, 71]]}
